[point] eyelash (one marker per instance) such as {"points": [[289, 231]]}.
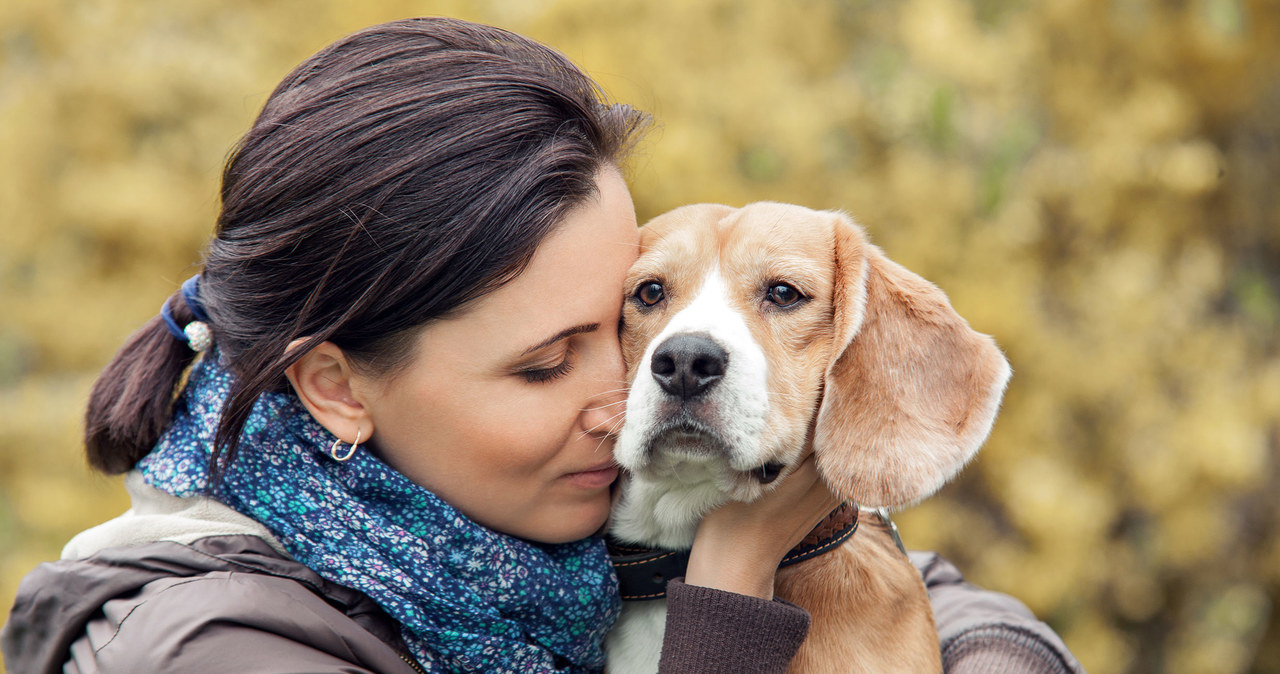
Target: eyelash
{"points": [[547, 374]]}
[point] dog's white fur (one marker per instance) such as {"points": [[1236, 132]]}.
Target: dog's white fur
{"points": [[892, 389], [665, 509]]}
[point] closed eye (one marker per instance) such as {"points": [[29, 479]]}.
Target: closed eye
{"points": [[546, 374]]}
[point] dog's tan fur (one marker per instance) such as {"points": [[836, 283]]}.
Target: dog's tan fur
{"points": [[893, 390], [869, 608]]}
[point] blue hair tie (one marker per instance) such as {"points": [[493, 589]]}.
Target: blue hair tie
{"points": [[197, 334], [191, 293]]}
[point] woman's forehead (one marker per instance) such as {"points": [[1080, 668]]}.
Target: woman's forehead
{"points": [[575, 277]]}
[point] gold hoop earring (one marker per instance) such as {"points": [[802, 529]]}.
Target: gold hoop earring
{"points": [[333, 451]]}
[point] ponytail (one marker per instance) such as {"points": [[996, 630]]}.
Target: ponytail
{"points": [[130, 402]]}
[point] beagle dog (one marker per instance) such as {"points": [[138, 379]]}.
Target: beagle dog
{"points": [[753, 334]]}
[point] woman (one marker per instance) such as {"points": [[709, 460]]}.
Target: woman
{"points": [[395, 449], [395, 454]]}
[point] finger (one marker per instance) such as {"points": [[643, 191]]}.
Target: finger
{"points": [[805, 472], [810, 499], [819, 494]]}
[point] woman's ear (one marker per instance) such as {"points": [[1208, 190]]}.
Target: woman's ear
{"points": [[326, 384]]}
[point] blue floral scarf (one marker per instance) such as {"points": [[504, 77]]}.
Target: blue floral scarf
{"points": [[468, 599]]}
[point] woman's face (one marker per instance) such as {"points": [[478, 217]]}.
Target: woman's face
{"points": [[506, 411]]}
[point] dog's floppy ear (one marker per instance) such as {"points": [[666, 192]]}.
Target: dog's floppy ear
{"points": [[911, 390]]}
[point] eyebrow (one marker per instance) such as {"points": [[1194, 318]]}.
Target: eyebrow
{"points": [[567, 332]]}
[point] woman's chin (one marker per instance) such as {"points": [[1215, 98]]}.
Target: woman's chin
{"points": [[568, 526]]}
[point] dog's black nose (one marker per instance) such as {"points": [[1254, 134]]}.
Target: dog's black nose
{"points": [[687, 365]]}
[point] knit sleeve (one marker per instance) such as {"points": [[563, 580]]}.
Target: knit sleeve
{"points": [[987, 632], [712, 631]]}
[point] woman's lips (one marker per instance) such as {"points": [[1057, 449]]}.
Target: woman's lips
{"points": [[597, 477]]}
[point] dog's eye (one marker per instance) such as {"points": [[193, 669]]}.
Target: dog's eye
{"points": [[650, 293], [783, 295]]}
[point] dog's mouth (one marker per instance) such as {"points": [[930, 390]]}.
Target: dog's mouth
{"points": [[690, 437], [768, 472]]}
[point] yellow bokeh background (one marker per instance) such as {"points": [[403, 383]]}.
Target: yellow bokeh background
{"points": [[1095, 183]]}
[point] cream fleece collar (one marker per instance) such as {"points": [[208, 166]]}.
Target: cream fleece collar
{"points": [[157, 516]]}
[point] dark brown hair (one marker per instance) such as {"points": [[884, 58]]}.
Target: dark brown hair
{"points": [[389, 180]]}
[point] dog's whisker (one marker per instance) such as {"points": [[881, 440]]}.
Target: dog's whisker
{"points": [[619, 415], [593, 429], [612, 391], [600, 444], [610, 434], [600, 407]]}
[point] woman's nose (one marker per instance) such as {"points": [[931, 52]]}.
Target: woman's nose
{"points": [[605, 407]]}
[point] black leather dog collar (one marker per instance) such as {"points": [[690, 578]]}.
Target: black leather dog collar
{"points": [[643, 572]]}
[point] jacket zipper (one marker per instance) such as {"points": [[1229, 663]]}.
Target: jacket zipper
{"points": [[411, 662]]}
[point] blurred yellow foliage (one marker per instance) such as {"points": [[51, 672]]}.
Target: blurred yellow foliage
{"points": [[1093, 182]]}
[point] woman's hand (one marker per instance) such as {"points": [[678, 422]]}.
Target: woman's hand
{"points": [[738, 546]]}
